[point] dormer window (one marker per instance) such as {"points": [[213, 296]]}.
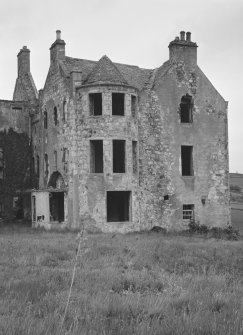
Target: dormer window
{"points": [[186, 106]]}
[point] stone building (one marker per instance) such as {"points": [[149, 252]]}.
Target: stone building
{"points": [[115, 147]]}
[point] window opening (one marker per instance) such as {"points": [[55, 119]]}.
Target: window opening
{"points": [[57, 206], [96, 156], [65, 160], [188, 212], [45, 120], [186, 109], [55, 161], [117, 103], [1, 164], [119, 156], [38, 166], [95, 103], [64, 110], [1, 210], [46, 167], [187, 160], [118, 206], [55, 116], [134, 157], [133, 105], [33, 165]]}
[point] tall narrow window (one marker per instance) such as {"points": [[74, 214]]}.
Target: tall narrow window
{"points": [[1, 209], [46, 166], [96, 156], [188, 212], [118, 104], [187, 160], [95, 103], [33, 165], [38, 166], [55, 116], [133, 105], [45, 120], [1, 164], [64, 110], [65, 160], [55, 161], [134, 157], [186, 109], [119, 156]]}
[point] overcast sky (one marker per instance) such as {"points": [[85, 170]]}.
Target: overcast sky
{"points": [[134, 32]]}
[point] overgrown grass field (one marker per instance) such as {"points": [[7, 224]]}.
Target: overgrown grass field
{"points": [[146, 283]]}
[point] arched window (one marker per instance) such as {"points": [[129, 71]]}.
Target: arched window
{"points": [[64, 110], [55, 116], [45, 120], [186, 106], [46, 166], [55, 160]]}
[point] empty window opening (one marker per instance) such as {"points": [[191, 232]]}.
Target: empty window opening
{"points": [[119, 156], [96, 156], [45, 120], [95, 103], [57, 206], [134, 157], [55, 160], [117, 103], [64, 110], [187, 160], [46, 166], [118, 206], [1, 164], [166, 197], [55, 116], [188, 212], [38, 166], [33, 165], [186, 109], [133, 105]]}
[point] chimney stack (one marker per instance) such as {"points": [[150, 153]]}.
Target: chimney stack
{"points": [[58, 48], [182, 33], [188, 36], [23, 61]]}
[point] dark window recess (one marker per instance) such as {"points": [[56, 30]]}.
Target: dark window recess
{"points": [[65, 160], [64, 110], [186, 160], [118, 206], [95, 103], [33, 165], [55, 117], [45, 120], [55, 161], [166, 197], [117, 103], [57, 206], [188, 212], [38, 166], [186, 109], [1, 209], [119, 156], [134, 157], [96, 156], [46, 166], [1, 164], [133, 105]]}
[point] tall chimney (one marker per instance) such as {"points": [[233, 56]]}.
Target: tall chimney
{"points": [[23, 61], [188, 36], [182, 33], [58, 48]]}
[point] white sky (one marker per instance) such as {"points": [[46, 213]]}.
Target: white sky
{"points": [[135, 32]]}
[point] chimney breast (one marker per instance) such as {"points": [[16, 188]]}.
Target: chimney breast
{"points": [[182, 33]]}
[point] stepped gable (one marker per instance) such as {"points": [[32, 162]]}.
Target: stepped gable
{"points": [[133, 75], [105, 72]]}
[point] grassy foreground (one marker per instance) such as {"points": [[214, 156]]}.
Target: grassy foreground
{"points": [[133, 284]]}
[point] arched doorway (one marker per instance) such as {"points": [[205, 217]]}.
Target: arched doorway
{"points": [[56, 187]]}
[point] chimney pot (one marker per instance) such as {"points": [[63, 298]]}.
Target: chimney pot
{"points": [[58, 34], [188, 36], [182, 33]]}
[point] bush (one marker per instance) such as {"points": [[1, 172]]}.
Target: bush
{"points": [[216, 232]]}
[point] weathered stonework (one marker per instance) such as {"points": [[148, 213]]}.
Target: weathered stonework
{"points": [[152, 190]]}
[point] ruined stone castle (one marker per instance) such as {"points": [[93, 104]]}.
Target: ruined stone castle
{"points": [[115, 147]]}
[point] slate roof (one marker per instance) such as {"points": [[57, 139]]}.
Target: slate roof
{"points": [[129, 74]]}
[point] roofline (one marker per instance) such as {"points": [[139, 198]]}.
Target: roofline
{"points": [[105, 84]]}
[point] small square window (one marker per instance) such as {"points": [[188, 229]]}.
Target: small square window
{"points": [[188, 212]]}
